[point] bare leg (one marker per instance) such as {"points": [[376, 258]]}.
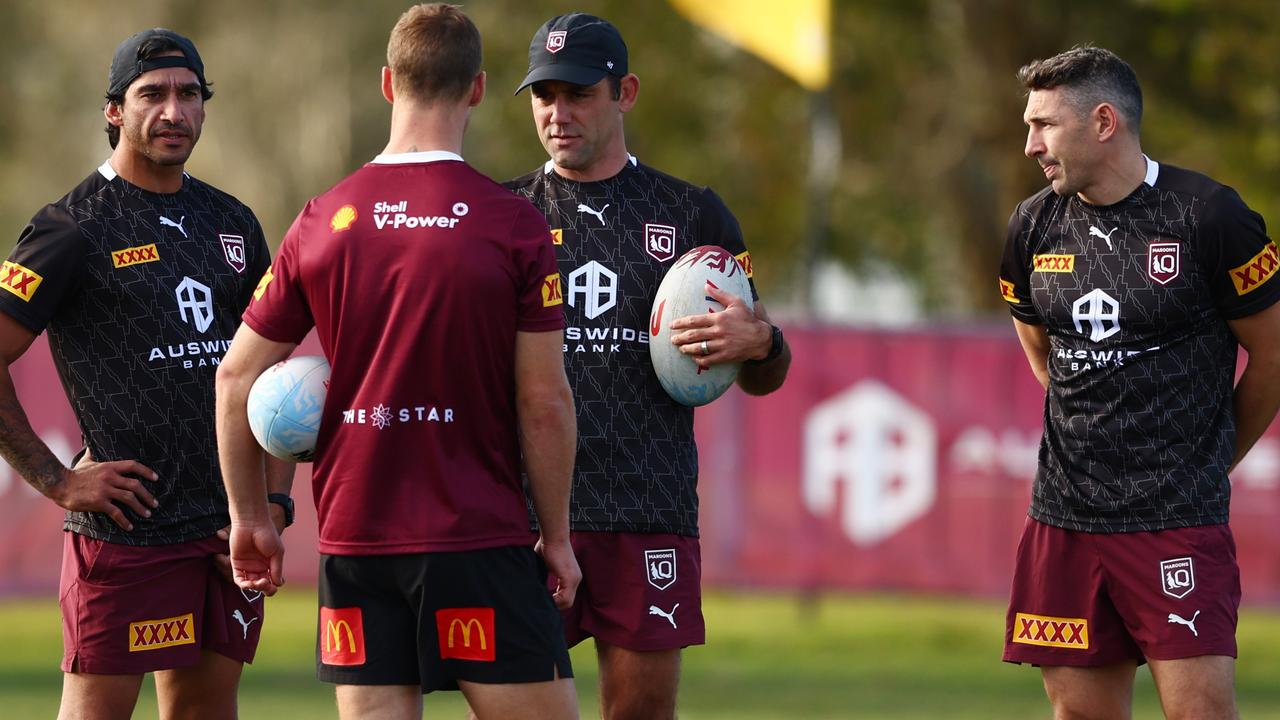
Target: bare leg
{"points": [[385, 702], [551, 700], [98, 697], [1202, 688], [1093, 693], [206, 691], [637, 685]]}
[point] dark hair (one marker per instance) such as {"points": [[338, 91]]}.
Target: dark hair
{"points": [[615, 86], [434, 52], [1091, 76], [150, 49]]}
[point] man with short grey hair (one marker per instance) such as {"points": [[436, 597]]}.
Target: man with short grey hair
{"points": [[1131, 285]]}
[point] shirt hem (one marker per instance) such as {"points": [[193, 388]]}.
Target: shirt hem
{"points": [[425, 546], [1099, 528]]}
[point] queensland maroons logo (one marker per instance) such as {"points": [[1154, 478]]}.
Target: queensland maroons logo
{"points": [[1163, 263], [555, 40]]}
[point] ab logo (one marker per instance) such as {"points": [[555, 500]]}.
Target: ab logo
{"points": [[1100, 311]]}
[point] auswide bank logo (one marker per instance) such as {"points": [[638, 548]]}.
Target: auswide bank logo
{"points": [[875, 454]]}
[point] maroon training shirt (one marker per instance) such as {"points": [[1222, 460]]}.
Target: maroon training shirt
{"points": [[416, 272]]}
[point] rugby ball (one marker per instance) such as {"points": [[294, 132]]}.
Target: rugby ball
{"points": [[284, 407], [683, 292]]}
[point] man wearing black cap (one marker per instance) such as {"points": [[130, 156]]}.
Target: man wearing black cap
{"points": [[139, 275], [619, 225]]}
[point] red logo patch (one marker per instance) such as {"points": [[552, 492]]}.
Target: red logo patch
{"points": [[466, 634], [341, 636]]}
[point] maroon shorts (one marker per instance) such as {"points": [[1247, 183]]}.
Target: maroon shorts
{"points": [[128, 610], [639, 592], [1090, 599]]}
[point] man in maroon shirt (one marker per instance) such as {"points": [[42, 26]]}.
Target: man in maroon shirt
{"points": [[435, 296]]}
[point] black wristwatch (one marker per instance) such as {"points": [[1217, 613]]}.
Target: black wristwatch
{"points": [[285, 502], [775, 346]]}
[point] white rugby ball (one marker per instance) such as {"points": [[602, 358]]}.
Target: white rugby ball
{"points": [[683, 292], [285, 405]]}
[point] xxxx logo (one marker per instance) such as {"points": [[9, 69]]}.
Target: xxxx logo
{"points": [[557, 236], [266, 279], [19, 280], [1006, 291], [552, 291], [1258, 270], [1053, 263], [134, 256], [744, 261], [156, 634], [1071, 633]]}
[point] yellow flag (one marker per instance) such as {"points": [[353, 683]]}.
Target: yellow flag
{"points": [[793, 35]]}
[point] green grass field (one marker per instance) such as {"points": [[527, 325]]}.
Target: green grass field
{"points": [[770, 656]]}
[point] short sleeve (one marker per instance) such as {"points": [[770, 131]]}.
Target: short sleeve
{"points": [[43, 269], [719, 227], [1233, 241], [539, 288], [278, 310], [259, 261], [1015, 270]]}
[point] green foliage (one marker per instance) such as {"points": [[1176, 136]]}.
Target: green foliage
{"points": [[770, 656], [924, 89]]}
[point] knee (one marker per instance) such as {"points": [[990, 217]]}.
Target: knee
{"points": [[1077, 706], [637, 706], [1204, 708]]}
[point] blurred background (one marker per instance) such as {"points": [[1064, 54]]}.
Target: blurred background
{"points": [[872, 152]]}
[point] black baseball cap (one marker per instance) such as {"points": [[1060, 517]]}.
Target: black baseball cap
{"points": [[126, 65], [576, 48]]}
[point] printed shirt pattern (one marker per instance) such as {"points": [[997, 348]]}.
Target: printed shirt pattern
{"points": [[1139, 427], [637, 466], [141, 294]]}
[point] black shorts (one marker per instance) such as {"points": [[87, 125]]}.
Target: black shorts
{"points": [[431, 619]]}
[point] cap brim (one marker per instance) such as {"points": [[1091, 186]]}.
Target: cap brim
{"points": [[564, 72]]}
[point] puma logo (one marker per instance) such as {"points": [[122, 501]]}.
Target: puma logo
{"points": [[671, 616], [598, 213], [243, 623], [1095, 232], [164, 221], [1175, 618]]}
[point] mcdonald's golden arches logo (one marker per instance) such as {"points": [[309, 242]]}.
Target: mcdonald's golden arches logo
{"points": [[466, 634], [341, 636]]}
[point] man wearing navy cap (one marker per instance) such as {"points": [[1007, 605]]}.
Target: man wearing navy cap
{"points": [[619, 225], [140, 275]]}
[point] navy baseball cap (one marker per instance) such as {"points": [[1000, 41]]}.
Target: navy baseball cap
{"points": [[577, 48], [126, 65]]}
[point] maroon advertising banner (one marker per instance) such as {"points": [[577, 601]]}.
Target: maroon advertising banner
{"points": [[888, 461]]}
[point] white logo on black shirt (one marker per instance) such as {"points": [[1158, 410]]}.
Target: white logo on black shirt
{"points": [[598, 213], [595, 287], [164, 221], [1095, 232], [197, 298], [1101, 311]]}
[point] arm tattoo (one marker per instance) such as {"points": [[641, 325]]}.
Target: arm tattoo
{"points": [[22, 448]]}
